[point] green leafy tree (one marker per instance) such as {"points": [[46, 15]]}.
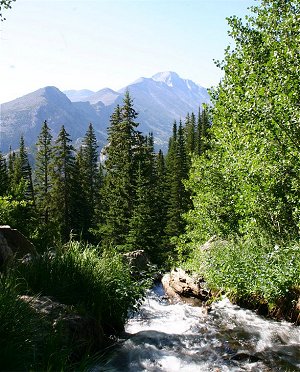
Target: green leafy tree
{"points": [[5, 4], [249, 180]]}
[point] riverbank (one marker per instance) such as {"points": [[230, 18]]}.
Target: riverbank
{"points": [[59, 308], [253, 272], [180, 285]]}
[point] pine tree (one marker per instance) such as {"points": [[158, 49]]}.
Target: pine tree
{"points": [[42, 181], [22, 176], [143, 232], [4, 181], [10, 168], [63, 179], [89, 176], [173, 213], [118, 192], [177, 171], [160, 206], [190, 134], [21, 189], [203, 125]]}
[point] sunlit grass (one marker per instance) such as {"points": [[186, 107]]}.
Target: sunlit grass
{"points": [[99, 285]]}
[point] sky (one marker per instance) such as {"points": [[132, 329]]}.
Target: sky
{"points": [[84, 44]]}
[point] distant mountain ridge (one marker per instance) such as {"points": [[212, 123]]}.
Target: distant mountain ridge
{"points": [[159, 100]]}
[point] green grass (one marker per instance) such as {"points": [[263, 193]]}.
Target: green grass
{"points": [[95, 285], [76, 274], [27, 341], [250, 267]]}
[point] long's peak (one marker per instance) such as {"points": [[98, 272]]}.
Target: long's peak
{"points": [[165, 76]]}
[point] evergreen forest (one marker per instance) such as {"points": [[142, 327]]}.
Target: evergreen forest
{"points": [[133, 199]]}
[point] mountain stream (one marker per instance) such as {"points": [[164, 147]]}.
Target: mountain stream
{"points": [[179, 337]]}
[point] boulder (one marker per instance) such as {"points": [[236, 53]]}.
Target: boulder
{"points": [[179, 284], [13, 243], [5, 251], [169, 290], [84, 332], [137, 260]]}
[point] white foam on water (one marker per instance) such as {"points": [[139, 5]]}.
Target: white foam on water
{"points": [[165, 337]]}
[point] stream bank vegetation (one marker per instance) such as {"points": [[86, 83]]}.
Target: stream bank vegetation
{"points": [[96, 288], [245, 188]]}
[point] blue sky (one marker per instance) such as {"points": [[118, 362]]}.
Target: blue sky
{"points": [[110, 43]]}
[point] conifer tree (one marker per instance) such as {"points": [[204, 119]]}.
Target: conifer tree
{"points": [[21, 189], [143, 223], [10, 168], [63, 174], [190, 133], [42, 181], [177, 171], [89, 179], [160, 205], [118, 190], [3, 176], [22, 173], [203, 124], [173, 212]]}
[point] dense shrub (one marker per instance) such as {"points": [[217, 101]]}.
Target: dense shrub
{"points": [[250, 268]]}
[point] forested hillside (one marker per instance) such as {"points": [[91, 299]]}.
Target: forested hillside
{"points": [[133, 199]]}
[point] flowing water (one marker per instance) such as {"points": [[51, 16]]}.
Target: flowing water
{"points": [[179, 337]]}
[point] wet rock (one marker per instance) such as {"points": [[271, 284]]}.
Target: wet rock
{"points": [[170, 291], [242, 356], [179, 285]]}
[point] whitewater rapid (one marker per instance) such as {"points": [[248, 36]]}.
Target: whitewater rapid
{"points": [[164, 337]]}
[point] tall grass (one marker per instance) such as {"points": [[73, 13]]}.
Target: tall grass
{"points": [[97, 286], [250, 267], [76, 274], [27, 341]]}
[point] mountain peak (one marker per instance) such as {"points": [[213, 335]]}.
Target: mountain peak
{"points": [[159, 101], [167, 77]]}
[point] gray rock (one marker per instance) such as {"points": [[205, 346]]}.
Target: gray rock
{"points": [[137, 260], [13, 244], [180, 285], [84, 332]]}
